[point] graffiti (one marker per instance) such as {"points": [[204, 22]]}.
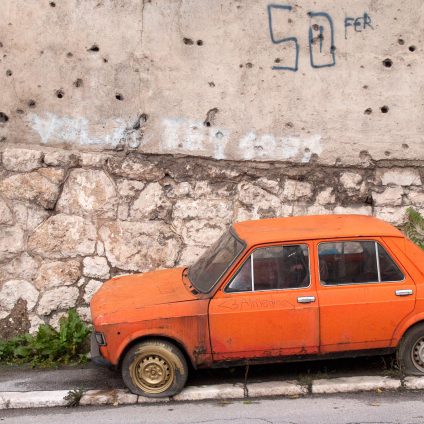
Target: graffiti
{"points": [[273, 9], [322, 48], [358, 24]]}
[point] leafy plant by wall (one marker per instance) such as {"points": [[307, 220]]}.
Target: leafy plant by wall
{"points": [[49, 347], [414, 227]]}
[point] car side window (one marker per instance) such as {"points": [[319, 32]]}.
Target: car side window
{"points": [[274, 268], [355, 262]]}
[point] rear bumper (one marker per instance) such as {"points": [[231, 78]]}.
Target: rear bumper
{"points": [[95, 353]]}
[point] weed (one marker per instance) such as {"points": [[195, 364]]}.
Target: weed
{"points": [[74, 397], [48, 347], [414, 227]]}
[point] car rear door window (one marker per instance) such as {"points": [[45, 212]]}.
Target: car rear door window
{"points": [[274, 268], [355, 262]]}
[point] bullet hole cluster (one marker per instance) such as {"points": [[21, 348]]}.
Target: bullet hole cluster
{"points": [[119, 96], [190, 42], [94, 48], [3, 118], [384, 109], [60, 93], [9, 73], [387, 63]]}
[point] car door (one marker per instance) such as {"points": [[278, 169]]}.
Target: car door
{"points": [[267, 307], [363, 293]]}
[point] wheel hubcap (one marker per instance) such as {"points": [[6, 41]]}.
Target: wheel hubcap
{"points": [[152, 373], [417, 354]]}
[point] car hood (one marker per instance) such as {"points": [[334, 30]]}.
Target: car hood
{"points": [[140, 290]]}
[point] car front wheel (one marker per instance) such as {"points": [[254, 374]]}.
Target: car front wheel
{"points": [[411, 351], [154, 368]]}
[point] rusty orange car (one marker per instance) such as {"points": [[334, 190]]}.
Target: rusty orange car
{"points": [[270, 290]]}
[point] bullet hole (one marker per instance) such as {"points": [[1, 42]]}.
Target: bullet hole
{"points": [[188, 41], [384, 109], [365, 87], [332, 49], [52, 4], [94, 48], [105, 60], [387, 63], [210, 116], [277, 60], [401, 41], [60, 93], [289, 124], [219, 135], [307, 150], [241, 65], [3, 118], [315, 27], [119, 96], [290, 21], [140, 121], [69, 54], [9, 73], [3, 139], [211, 84], [78, 82], [19, 111], [368, 111], [362, 66], [411, 48], [1, 44], [249, 65], [405, 146], [199, 42], [387, 153], [32, 103]]}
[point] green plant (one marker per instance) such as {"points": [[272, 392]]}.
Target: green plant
{"points": [[49, 347], [74, 397], [414, 227]]}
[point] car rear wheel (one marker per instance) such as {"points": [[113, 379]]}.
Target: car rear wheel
{"points": [[411, 351], [154, 368]]}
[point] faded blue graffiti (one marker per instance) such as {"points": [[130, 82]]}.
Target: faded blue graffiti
{"points": [[279, 8]]}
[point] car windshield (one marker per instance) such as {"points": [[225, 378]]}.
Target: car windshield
{"points": [[210, 267]]}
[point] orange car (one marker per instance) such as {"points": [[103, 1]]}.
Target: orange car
{"points": [[268, 290]]}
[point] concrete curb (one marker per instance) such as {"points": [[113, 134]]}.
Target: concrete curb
{"points": [[46, 399]]}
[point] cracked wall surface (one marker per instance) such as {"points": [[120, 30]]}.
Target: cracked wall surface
{"points": [[132, 133]]}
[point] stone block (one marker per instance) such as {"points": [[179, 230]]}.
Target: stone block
{"points": [[21, 160]]}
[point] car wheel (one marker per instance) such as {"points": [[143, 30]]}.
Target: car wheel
{"points": [[154, 368], [411, 351]]}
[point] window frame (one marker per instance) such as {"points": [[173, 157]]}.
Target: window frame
{"points": [[249, 257], [376, 243]]}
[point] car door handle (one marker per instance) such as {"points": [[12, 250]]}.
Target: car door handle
{"points": [[306, 299], [407, 292]]}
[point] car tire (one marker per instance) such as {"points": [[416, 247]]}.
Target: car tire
{"points": [[154, 368], [411, 351]]}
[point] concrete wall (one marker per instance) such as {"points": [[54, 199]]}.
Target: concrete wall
{"points": [[132, 133]]}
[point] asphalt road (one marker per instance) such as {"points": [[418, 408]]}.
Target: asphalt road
{"points": [[365, 408]]}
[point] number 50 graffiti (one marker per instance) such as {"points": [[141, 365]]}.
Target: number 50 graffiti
{"points": [[321, 37]]}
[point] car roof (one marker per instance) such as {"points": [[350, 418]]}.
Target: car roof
{"points": [[312, 227]]}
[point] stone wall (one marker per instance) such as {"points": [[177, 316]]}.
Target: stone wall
{"points": [[69, 220]]}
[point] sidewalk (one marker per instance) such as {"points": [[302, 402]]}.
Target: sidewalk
{"points": [[91, 385]]}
